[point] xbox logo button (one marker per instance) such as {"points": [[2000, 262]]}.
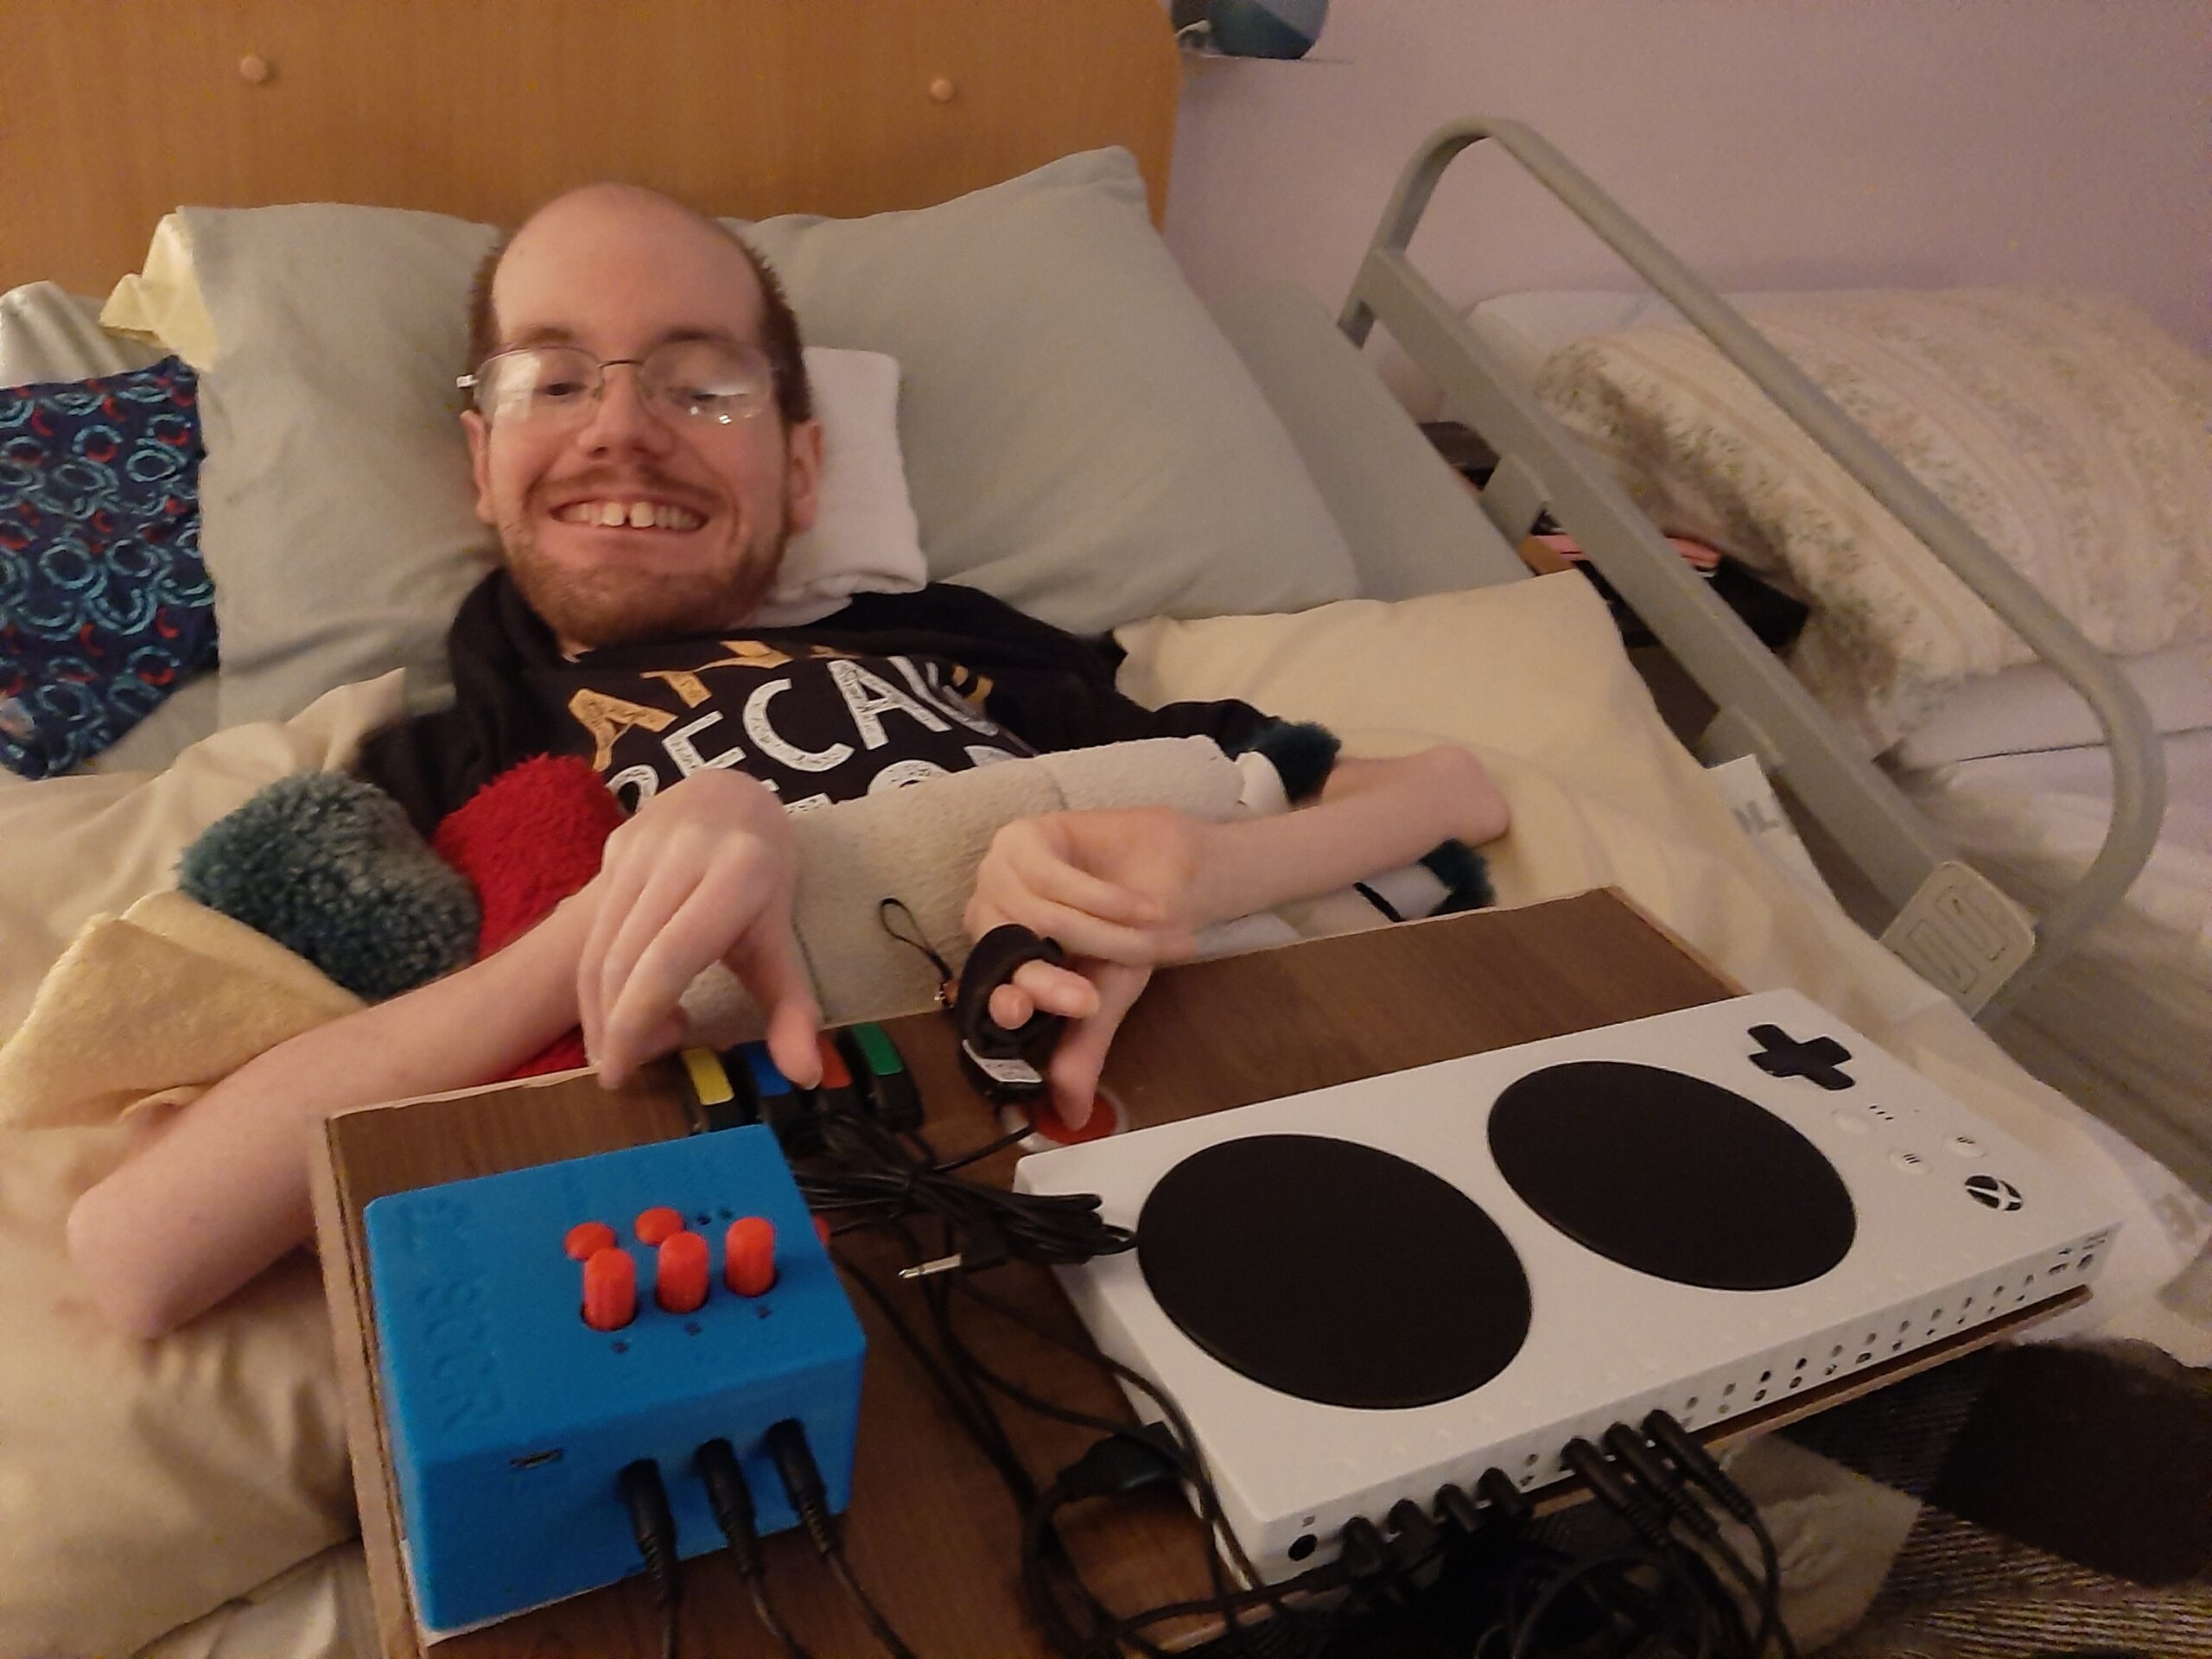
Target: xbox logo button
{"points": [[1997, 1195]]}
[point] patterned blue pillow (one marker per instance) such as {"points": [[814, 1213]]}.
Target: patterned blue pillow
{"points": [[105, 605]]}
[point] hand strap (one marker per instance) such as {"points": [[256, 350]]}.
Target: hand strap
{"points": [[1006, 1066]]}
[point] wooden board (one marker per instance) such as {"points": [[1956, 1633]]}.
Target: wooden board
{"points": [[115, 111], [930, 1530]]}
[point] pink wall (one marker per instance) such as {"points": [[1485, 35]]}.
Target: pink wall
{"points": [[1775, 143]]}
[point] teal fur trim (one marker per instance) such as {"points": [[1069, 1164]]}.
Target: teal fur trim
{"points": [[329, 868], [1465, 875], [1302, 753]]}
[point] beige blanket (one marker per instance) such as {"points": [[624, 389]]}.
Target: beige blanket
{"points": [[1531, 675]]}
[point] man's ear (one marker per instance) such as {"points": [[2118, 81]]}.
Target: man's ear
{"points": [[479, 463], [803, 476]]}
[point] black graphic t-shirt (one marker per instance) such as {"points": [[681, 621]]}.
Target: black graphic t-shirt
{"points": [[891, 688]]}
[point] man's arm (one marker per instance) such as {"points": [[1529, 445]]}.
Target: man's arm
{"points": [[703, 872], [219, 1190], [1123, 891]]}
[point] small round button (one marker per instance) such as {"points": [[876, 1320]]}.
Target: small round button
{"points": [[1851, 1122], [1964, 1146], [1912, 1162], [587, 1239], [656, 1226]]}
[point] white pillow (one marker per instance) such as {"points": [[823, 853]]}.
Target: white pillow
{"points": [[1082, 439], [2030, 709], [2066, 428], [864, 538], [47, 334]]}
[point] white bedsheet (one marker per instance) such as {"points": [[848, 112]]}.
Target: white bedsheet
{"points": [[319, 1610], [2124, 1027]]}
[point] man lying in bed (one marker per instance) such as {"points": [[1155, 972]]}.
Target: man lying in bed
{"points": [[644, 445]]}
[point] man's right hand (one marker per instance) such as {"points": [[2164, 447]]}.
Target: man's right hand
{"points": [[703, 872]]}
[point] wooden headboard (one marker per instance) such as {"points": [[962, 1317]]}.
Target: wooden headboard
{"points": [[114, 111]]}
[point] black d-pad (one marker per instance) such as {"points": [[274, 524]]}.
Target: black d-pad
{"points": [[1818, 1059]]}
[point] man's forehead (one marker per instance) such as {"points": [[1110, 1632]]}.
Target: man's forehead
{"points": [[612, 261]]}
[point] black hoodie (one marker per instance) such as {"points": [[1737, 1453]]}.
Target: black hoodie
{"points": [[890, 689]]}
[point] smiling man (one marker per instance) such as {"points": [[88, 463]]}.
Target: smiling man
{"points": [[644, 443], [674, 513]]}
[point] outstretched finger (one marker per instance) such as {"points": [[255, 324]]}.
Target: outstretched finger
{"points": [[768, 964], [1081, 1056], [718, 908], [1063, 991]]}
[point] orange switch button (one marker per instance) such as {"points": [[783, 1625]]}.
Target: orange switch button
{"points": [[749, 1255], [680, 1281], [610, 1289]]}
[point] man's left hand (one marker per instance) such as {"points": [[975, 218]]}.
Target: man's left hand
{"points": [[1117, 890]]}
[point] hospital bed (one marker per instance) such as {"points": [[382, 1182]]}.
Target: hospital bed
{"points": [[1267, 524]]}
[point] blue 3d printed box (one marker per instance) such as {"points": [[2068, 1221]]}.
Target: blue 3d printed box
{"points": [[510, 1416]]}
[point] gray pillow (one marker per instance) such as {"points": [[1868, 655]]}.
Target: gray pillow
{"points": [[337, 512], [1079, 438]]}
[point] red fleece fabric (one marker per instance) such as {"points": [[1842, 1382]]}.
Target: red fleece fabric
{"points": [[526, 840]]}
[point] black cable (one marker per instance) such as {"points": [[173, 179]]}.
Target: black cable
{"points": [[1525, 1633], [1650, 1510], [981, 1422], [785, 1443], [1201, 1481], [852, 1169], [653, 1525], [731, 1499], [1696, 1465], [982, 1425]]}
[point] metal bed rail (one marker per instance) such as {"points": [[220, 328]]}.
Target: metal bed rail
{"points": [[1946, 916]]}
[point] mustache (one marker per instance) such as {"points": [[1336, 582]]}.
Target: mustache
{"points": [[634, 481]]}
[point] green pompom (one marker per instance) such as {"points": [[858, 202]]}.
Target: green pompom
{"points": [[329, 868]]}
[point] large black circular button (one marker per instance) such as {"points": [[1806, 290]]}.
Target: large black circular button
{"points": [[1333, 1271]]}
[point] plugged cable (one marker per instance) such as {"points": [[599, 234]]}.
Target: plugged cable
{"points": [[653, 1525], [785, 1443], [731, 1499], [1696, 1465], [1651, 1471], [955, 1373]]}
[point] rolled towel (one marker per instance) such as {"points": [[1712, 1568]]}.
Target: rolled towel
{"points": [[329, 866]]}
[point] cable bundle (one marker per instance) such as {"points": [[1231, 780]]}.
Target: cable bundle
{"points": [[855, 1172]]}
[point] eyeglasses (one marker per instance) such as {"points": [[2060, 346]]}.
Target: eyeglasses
{"points": [[719, 381]]}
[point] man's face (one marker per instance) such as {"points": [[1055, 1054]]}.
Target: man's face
{"points": [[617, 273]]}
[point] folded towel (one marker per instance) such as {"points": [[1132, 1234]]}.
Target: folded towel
{"points": [[152, 1007]]}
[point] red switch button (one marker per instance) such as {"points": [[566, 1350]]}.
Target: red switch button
{"points": [[749, 1255], [834, 1073], [680, 1281], [587, 1239], [610, 1289], [656, 1226]]}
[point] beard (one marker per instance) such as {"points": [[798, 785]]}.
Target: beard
{"points": [[607, 603]]}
